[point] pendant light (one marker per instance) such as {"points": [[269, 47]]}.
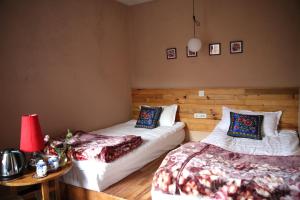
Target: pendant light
{"points": [[194, 43]]}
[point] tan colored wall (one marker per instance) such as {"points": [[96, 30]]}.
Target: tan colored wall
{"points": [[269, 29], [69, 61], [66, 61]]}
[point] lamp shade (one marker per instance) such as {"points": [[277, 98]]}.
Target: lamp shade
{"points": [[31, 134], [194, 44]]}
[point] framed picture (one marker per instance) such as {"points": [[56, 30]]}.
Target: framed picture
{"points": [[171, 53], [214, 49], [190, 53], [236, 47]]}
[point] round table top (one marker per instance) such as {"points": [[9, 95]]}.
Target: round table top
{"points": [[27, 178]]}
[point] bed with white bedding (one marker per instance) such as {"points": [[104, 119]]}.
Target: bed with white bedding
{"points": [[96, 175], [226, 167]]}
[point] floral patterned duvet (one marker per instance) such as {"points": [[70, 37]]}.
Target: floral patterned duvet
{"points": [[87, 146], [200, 169]]}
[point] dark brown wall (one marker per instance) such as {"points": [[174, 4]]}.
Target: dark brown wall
{"points": [[65, 60], [269, 29]]}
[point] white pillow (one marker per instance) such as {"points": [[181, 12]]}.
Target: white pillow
{"points": [[270, 122], [168, 115]]}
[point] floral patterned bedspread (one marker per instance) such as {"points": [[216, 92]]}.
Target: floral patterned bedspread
{"points": [[87, 146], [204, 170]]}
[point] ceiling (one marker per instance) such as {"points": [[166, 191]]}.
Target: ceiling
{"points": [[133, 2]]}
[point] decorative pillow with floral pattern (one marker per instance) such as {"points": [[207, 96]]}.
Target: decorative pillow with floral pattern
{"points": [[245, 126], [148, 117]]}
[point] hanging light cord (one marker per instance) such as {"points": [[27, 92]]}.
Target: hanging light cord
{"points": [[196, 22]]}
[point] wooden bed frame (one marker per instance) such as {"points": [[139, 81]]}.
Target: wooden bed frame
{"points": [[189, 102], [138, 184]]}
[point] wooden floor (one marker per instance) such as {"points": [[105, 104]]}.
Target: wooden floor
{"points": [[134, 186]]}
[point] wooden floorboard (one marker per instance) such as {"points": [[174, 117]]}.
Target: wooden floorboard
{"points": [[135, 186]]}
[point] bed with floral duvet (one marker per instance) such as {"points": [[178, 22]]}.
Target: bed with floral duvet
{"points": [[212, 170]]}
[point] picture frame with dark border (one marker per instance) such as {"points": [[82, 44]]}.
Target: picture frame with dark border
{"points": [[214, 49], [236, 46], [171, 53], [190, 54]]}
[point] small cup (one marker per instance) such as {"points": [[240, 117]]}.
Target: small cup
{"points": [[41, 168], [53, 162]]}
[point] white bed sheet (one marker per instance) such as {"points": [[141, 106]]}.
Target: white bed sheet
{"points": [[284, 144], [96, 175]]}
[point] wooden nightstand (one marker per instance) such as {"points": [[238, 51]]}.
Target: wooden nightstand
{"points": [[27, 179]]}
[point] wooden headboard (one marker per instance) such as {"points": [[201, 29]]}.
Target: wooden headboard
{"points": [[189, 101]]}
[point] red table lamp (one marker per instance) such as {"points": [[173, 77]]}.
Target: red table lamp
{"points": [[31, 134]]}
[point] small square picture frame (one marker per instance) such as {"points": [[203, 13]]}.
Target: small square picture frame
{"points": [[236, 46], [190, 54], [214, 49], [171, 53]]}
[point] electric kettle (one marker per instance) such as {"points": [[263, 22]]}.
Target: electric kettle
{"points": [[12, 163]]}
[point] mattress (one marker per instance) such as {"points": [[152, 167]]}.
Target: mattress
{"points": [[96, 175]]}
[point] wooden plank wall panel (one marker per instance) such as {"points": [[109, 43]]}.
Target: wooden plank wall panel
{"points": [[285, 99]]}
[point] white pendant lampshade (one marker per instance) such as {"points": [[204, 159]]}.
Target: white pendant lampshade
{"points": [[194, 44]]}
